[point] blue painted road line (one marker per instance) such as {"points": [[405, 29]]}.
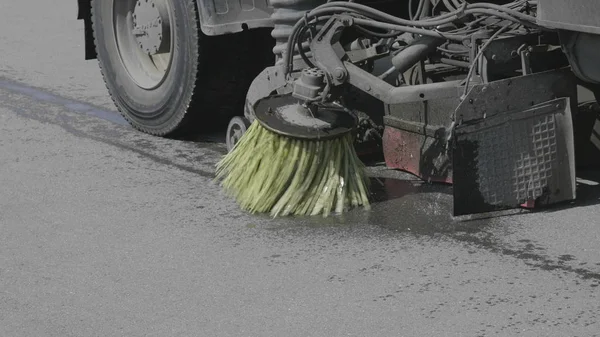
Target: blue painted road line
{"points": [[69, 104]]}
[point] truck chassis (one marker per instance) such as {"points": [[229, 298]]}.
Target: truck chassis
{"points": [[478, 94]]}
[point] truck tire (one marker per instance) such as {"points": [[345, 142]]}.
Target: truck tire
{"points": [[191, 83]]}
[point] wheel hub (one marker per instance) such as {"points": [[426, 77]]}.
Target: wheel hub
{"points": [[236, 135], [235, 130], [151, 26]]}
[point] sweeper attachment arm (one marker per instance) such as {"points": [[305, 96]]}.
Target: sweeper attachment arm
{"points": [[476, 94]]}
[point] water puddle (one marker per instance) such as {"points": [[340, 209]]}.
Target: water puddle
{"points": [[397, 206]]}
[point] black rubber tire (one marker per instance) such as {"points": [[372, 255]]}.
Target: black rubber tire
{"points": [[207, 82]]}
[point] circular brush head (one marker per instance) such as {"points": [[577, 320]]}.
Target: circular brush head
{"points": [[286, 115]]}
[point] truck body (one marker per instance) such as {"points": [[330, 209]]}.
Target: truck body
{"points": [[485, 100]]}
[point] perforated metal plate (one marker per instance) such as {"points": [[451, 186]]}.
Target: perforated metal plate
{"points": [[520, 158]]}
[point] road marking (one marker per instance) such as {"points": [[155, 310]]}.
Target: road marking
{"points": [[69, 104]]}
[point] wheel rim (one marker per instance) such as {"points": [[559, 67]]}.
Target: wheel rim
{"points": [[144, 39], [235, 131]]}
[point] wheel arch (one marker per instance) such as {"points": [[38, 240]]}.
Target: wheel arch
{"points": [[217, 17]]}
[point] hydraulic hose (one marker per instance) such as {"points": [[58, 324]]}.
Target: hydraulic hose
{"points": [[420, 31], [364, 16], [375, 14], [415, 51]]}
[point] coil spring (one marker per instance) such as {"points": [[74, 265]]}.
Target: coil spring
{"points": [[285, 15]]}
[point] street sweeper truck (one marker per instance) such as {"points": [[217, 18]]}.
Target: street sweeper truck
{"points": [[482, 95]]}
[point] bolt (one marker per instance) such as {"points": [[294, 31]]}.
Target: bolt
{"points": [[339, 73], [494, 57], [367, 87]]}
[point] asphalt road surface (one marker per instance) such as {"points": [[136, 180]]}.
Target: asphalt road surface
{"points": [[105, 231]]}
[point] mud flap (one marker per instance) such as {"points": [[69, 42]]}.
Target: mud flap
{"points": [[515, 148]]}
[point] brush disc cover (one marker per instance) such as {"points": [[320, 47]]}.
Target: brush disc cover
{"points": [[288, 116]]}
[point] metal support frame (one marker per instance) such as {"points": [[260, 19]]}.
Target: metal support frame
{"points": [[329, 55], [390, 94]]}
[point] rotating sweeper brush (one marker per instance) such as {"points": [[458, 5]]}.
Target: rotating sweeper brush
{"points": [[296, 158]]}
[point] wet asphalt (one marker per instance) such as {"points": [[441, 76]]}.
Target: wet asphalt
{"points": [[106, 231]]}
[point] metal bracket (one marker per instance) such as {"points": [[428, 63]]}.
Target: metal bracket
{"points": [[269, 80], [370, 53], [517, 93], [524, 53], [327, 50]]}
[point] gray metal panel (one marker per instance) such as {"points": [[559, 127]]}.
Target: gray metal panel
{"points": [[220, 17], [517, 93], [516, 158], [515, 143], [578, 15]]}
